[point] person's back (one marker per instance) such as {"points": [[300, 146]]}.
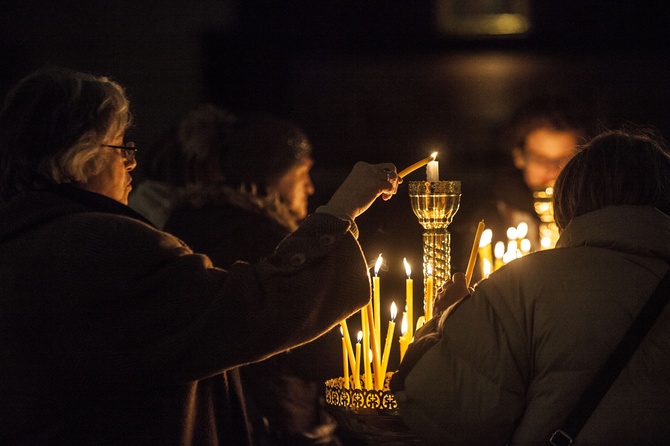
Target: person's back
{"points": [[514, 357]]}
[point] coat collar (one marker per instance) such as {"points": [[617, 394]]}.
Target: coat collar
{"points": [[633, 229]]}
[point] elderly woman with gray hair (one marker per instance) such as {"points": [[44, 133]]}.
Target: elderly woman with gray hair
{"points": [[113, 332]]}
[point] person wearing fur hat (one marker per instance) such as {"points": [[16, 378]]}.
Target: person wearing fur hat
{"points": [[266, 164]]}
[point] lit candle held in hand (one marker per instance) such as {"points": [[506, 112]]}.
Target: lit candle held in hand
{"points": [[417, 165], [473, 253]]}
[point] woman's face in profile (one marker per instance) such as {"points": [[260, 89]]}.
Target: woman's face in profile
{"points": [[114, 179], [295, 187]]}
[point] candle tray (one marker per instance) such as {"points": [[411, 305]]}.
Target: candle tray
{"points": [[370, 415]]}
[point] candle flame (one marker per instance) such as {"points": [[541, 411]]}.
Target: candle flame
{"points": [[394, 311], [511, 233], [487, 267], [360, 337], [341, 331], [429, 270], [487, 236], [433, 156], [522, 230], [408, 270], [378, 264], [499, 250]]}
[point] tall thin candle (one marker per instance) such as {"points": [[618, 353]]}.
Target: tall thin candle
{"points": [[403, 336], [409, 295], [347, 340], [367, 374], [345, 361], [376, 293], [389, 340], [413, 167], [374, 344], [357, 366], [428, 311], [473, 254]]}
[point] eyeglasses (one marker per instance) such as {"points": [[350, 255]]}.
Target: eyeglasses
{"points": [[127, 151]]}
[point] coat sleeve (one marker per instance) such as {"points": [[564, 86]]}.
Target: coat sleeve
{"points": [[469, 387], [164, 314]]}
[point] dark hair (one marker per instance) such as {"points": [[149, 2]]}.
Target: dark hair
{"points": [[263, 148], [52, 125], [190, 153], [618, 167]]}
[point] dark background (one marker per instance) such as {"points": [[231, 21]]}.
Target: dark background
{"points": [[367, 80]]}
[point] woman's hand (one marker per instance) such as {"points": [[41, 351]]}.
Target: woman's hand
{"points": [[451, 292], [361, 188]]}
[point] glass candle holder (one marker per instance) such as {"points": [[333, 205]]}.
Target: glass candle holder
{"points": [[435, 204]]}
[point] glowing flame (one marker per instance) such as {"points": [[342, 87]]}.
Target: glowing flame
{"points": [[408, 270], [522, 230], [487, 236], [499, 250], [378, 264]]}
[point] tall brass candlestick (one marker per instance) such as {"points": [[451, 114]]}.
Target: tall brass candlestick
{"points": [[435, 204]]}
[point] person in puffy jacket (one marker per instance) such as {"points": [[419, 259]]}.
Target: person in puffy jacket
{"points": [[508, 363]]}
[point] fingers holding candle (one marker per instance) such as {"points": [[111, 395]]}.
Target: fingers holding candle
{"points": [[361, 188], [391, 177], [451, 292]]}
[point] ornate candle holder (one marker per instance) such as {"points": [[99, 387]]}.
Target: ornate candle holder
{"points": [[544, 207], [370, 415], [435, 204]]}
